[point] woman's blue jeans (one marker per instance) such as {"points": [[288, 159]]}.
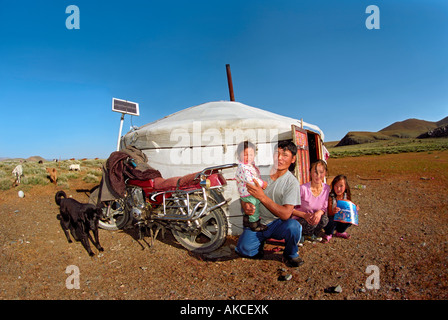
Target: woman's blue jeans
{"points": [[250, 243]]}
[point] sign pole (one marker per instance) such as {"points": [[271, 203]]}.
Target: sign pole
{"points": [[119, 132]]}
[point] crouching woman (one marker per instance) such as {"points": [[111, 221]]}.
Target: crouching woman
{"points": [[312, 213]]}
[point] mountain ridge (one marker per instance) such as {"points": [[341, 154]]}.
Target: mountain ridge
{"points": [[409, 128]]}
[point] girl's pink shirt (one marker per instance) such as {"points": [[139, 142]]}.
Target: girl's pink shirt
{"points": [[310, 203]]}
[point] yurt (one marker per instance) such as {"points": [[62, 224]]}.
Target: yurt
{"points": [[208, 134]]}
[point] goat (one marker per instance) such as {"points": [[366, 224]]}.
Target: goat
{"points": [[17, 172], [75, 167]]}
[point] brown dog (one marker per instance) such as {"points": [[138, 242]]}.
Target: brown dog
{"points": [[79, 219]]}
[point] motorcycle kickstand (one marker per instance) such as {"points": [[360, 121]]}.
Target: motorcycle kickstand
{"points": [[154, 235], [141, 235]]}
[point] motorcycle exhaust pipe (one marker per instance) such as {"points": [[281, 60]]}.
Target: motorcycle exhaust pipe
{"points": [[217, 206]]}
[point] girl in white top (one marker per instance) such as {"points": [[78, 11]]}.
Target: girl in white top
{"points": [[247, 172]]}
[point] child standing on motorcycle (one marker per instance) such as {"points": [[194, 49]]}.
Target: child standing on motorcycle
{"points": [[247, 172]]}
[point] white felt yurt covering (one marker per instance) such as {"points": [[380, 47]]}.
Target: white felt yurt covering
{"points": [[207, 135]]}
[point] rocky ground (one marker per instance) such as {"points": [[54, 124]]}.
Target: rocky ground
{"points": [[398, 251]]}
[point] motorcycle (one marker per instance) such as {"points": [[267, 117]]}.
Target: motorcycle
{"points": [[191, 210]]}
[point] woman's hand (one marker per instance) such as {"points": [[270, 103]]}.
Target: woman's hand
{"points": [[315, 217], [309, 217]]}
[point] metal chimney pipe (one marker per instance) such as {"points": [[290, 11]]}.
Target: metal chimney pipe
{"points": [[229, 81]]}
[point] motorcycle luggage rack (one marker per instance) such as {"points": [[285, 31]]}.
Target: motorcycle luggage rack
{"points": [[200, 209], [181, 198]]}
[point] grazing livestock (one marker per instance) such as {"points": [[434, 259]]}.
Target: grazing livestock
{"points": [[52, 174], [75, 167], [17, 172]]}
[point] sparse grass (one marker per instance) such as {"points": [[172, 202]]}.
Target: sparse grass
{"points": [[392, 146], [90, 178], [35, 173], [37, 179], [5, 184]]}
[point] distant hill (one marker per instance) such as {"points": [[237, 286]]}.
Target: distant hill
{"points": [[30, 159], [410, 128], [411, 124], [36, 159], [442, 122]]}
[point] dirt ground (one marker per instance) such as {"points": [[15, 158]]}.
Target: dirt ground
{"points": [[400, 245]]}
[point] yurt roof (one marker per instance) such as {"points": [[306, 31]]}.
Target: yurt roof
{"points": [[208, 117]]}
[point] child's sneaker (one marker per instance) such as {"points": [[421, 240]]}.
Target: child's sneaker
{"points": [[343, 235], [313, 238], [301, 241], [257, 226], [326, 238], [254, 226]]}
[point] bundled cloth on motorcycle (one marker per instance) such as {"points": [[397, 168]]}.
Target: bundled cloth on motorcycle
{"points": [[119, 170], [140, 159]]}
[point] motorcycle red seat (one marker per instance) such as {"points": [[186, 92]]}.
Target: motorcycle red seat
{"points": [[161, 184], [171, 183]]}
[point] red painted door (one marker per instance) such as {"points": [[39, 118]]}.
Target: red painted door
{"points": [[300, 138]]}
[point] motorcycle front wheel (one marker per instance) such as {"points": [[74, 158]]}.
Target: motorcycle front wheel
{"points": [[211, 234], [114, 216]]}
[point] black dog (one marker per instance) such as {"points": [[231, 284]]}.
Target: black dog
{"points": [[79, 218]]}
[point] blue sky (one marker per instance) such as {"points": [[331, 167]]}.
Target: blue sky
{"points": [[309, 59]]}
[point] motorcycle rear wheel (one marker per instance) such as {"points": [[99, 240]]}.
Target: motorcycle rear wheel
{"points": [[212, 233]]}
